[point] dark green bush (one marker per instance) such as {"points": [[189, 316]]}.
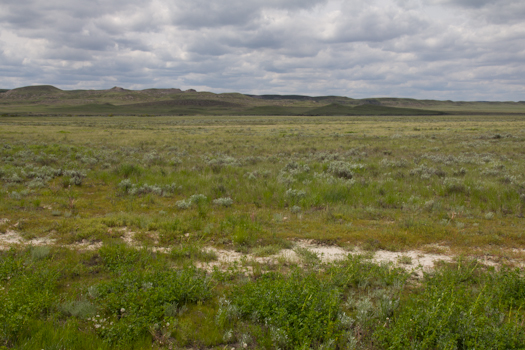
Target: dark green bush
{"points": [[134, 302], [459, 309], [117, 257], [299, 309], [28, 293]]}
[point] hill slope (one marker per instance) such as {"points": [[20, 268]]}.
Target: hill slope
{"points": [[367, 109], [47, 99]]}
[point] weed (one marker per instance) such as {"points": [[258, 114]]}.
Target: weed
{"points": [[40, 252], [307, 256], [192, 252], [404, 259], [266, 250]]}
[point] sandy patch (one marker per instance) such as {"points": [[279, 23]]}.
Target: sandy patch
{"points": [[85, 245], [415, 261], [12, 238], [408, 259], [127, 236], [9, 238]]}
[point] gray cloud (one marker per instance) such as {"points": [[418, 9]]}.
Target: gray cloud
{"points": [[443, 49], [496, 11]]}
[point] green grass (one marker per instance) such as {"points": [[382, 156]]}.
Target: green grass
{"points": [[149, 195]]}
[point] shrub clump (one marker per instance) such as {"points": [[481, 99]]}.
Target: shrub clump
{"points": [[341, 169], [223, 202], [197, 199], [128, 187], [130, 304], [451, 314], [75, 177], [300, 310]]}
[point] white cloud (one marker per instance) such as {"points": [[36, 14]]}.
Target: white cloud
{"points": [[446, 49]]}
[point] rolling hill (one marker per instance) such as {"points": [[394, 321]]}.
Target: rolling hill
{"points": [[47, 100]]}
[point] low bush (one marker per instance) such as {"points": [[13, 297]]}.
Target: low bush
{"points": [[132, 303], [300, 310], [460, 309]]}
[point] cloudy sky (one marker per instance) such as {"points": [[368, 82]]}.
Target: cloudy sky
{"points": [[436, 49]]}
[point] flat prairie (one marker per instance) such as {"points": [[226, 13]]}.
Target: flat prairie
{"points": [[263, 232]]}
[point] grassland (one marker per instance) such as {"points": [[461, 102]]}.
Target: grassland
{"points": [[77, 190]]}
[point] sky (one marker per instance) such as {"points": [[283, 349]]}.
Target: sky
{"points": [[467, 50]]}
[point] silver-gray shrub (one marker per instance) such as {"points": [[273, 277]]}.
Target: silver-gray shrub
{"points": [[125, 185], [80, 309], [223, 202], [75, 176], [183, 204], [15, 178], [386, 304], [221, 161], [454, 185], [460, 172], [15, 195], [343, 169], [252, 176], [251, 160], [175, 161], [295, 194], [36, 183], [144, 189], [88, 160], [325, 156], [401, 163], [46, 173], [290, 170], [227, 312], [160, 190], [198, 198], [294, 168], [426, 172], [194, 199], [279, 337], [152, 158]]}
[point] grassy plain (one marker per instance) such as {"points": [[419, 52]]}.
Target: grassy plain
{"points": [[451, 184]]}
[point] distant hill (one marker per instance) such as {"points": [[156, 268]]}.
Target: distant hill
{"points": [[47, 99], [274, 110], [367, 109], [195, 102], [34, 90]]}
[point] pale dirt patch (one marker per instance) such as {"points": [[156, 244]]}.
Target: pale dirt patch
{"points": [[414, 260], [85, 245], [418, 261], [127, 236], [227, 258], [417, 258], [12, 238]]}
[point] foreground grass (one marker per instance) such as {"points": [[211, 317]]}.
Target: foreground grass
{"points": [[253, 184], [120, 297]]}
